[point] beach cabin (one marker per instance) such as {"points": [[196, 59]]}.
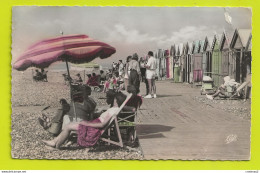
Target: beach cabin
{"points": [[248, 56], [227, 62], [197, 62], [168, 63], [185, 62], [160, 55], [248, 69], [157, 71], [207, 56], [216, 62], [181, 61], [241, 57], [172, 55], [190, 62], [177, 64]]}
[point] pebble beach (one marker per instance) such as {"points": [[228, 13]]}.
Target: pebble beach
{"points": [[29, 99]]}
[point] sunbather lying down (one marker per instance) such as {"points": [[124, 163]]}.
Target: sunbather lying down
{"points": [[225, 90], [88, 131]]}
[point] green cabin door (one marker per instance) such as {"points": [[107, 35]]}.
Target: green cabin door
{"points": [[216, 67], [225, 63]]}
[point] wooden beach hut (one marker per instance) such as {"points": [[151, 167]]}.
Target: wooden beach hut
{"points": [[242, 58], [181, 61], [190, 62], [177, 65], [159, 63], [156, 55], [207, 56], [227, 62], [168, 64], [185, 62], [172, 55], [248, 69], [197, 62], [216, 61]]}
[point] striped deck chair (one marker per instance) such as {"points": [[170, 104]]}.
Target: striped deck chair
{"points": [[115, 137]]}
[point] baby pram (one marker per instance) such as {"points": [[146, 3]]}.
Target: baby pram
{"points": [[207, 86]]}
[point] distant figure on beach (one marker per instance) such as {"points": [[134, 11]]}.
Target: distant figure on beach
{"points": [[102, 76], [110, 83], [120, 68], [142, 64], [127, 71], [114, 66], [89, 76], [135, 73], [79, 79], [38, 76], [150, 75], [44, 75], [93, 80], [88, 132]]}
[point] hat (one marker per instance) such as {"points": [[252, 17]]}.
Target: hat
{"points": [[135, 56], [227, 78]]}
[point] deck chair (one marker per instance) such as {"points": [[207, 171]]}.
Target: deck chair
{"points": [[115, 137], [238, 90], [127, 125]]}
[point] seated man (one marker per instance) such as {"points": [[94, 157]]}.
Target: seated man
{"points": [[70, 112], [88, 131], [38, 75], [226, 89]]}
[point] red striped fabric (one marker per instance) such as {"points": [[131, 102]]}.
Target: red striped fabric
{"points": [[74, 48]]}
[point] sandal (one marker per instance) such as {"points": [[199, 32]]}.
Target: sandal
{"points": [[45, 118]]}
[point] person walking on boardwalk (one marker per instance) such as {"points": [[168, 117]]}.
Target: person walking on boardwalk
{"points": [[150, 75], [127, 71], [135, 73]]}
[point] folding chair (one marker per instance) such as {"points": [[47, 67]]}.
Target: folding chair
{"points": [[127, 125], [238, 90], [114, 137]]}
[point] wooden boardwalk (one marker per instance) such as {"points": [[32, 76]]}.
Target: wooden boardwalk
{"points": [[175, 126]]}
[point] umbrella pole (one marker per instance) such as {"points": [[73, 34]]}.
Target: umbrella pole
{"points": [[74, 109], [67, 65]]}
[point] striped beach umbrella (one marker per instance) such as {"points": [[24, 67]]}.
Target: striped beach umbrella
{"points": [[71, 48]]}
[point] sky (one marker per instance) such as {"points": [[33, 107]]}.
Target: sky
{"points": [[129, 29]]}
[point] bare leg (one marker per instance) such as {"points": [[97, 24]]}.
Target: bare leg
{"points": [[153, 86], [126, 83], [150, 85], [63, 136], [219, 91]]}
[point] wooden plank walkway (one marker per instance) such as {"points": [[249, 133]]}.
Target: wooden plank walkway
{"points": [[175, 126]]}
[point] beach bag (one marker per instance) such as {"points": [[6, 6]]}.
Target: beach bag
{"points": [[55, 128]]}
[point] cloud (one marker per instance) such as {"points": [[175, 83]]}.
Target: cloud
{"points": [[187, 34], [120, 33]]}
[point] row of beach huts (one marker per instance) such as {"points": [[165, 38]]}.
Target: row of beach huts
{"points": [[226, 54]]}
